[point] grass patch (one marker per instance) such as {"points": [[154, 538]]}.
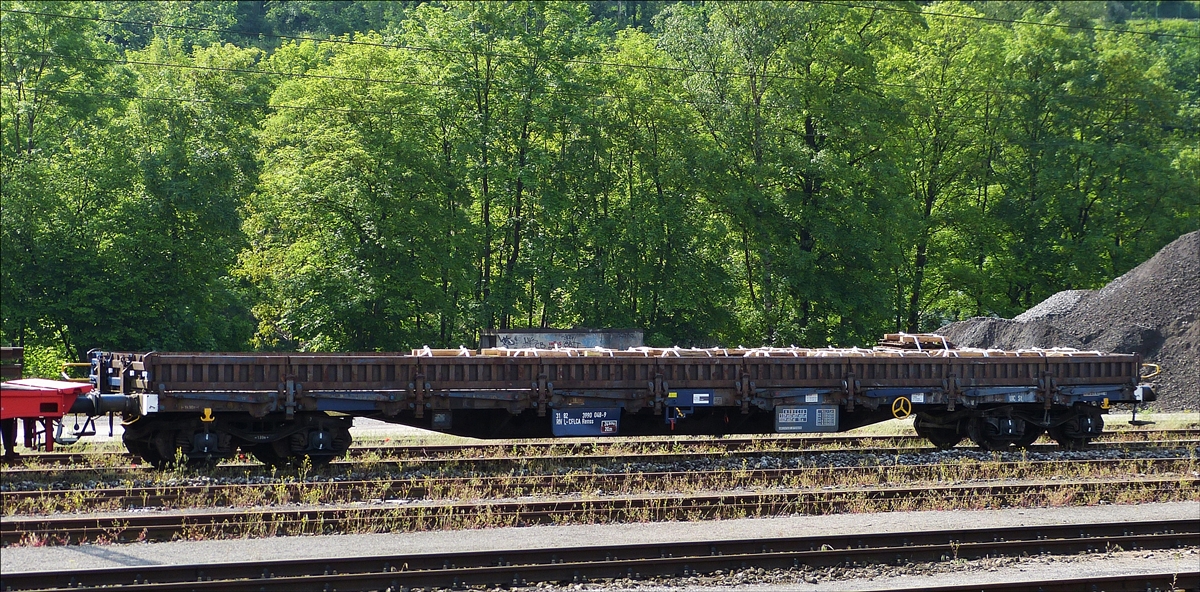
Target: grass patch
{"points": [[324, 488], [1162, 421]]}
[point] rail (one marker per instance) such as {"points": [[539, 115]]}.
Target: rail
{"points": [[517, 567], [393, 518]]}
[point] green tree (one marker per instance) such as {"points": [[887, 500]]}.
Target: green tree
{"points": [[324, 18], [507, 79], [1084, 167], [353, 241], [789, 95], [653, 253], [132, 25], [1118, 154], [173, 235], [58, 104], [946, 80], [175, 174]]}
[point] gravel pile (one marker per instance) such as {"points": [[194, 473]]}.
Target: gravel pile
{"points": [[1152, 310], [1055, 306]]}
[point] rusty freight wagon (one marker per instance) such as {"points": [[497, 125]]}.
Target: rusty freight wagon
{"points": [[281, 406]]}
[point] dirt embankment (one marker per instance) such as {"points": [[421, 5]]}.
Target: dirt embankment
{"points": [[1152, 310]]}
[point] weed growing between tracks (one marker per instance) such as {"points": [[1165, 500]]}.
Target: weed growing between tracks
{"points": [[375, 457], [329, 486], [362, 461], [466, 495], [725, 505]]}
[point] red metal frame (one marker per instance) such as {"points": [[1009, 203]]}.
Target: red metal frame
{"points": [[37, 397], [36, 400]]}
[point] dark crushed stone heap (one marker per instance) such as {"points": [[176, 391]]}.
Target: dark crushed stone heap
{"points": [[1152, 310]]}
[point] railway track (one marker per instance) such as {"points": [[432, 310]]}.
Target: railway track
{"points": [[656, 560], [399, 517], [36, 502], [509, 463], [641, 445], [1169, 581]]}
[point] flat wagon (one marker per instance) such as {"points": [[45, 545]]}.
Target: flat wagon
{"points": [[281, 406]]}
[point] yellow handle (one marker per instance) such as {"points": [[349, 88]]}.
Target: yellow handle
{"points": [[901, 408], [1156, 370], [67, 377]]}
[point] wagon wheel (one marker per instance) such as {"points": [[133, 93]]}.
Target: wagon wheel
{"points": [[137, 447], [1032, 433], [154, 447], [273, 454], [164, 448], [943, 438], [980, 433], [339, 442], [1068, 442]]}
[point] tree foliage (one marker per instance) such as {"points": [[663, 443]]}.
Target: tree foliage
{"points": [[374, 176]]}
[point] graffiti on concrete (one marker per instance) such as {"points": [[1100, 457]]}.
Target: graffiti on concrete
{"points": [[579, 339]]}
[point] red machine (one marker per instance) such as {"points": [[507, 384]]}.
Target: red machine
{"points": [[37, 400]]}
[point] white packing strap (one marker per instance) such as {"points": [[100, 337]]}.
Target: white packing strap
{"points": [[915, 341]]}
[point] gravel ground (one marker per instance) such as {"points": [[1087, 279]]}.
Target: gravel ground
{"points": [[27, 559], [1151, 310], [924, 575]]}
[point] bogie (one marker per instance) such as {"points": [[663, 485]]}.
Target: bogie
{"points": [[1073, 430], [941, 433], [164, 439], [1011, 426]]}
